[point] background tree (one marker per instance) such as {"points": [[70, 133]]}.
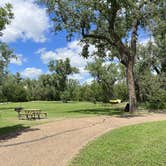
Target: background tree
{"points": [[5, 16], [5, 53], [106, 75], [109, 25], [158, 31], [61, 70], [86, 93], [120, 91], [149, 76], [13, 88], [72, 90]]}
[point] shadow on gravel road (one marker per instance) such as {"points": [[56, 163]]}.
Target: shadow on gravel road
{"points": [[9, 132]]}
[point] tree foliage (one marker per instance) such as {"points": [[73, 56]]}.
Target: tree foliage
{"points": [[5, 16], [13, 89], [149, 76], [62, 69], [110, 25], [106, 75], [5, 52], [158, 32]]}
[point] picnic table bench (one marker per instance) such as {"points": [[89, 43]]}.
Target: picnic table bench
{"points": [[31, 114]]}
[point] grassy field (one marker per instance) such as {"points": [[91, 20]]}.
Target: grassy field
{"points": [[9, 121], [137, 145]]}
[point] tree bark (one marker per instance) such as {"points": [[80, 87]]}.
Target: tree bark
{"points": [[131, 87], [130, 66]]}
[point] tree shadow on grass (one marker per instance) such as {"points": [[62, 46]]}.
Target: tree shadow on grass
{"points": [[118, 111], [100, 111], [6, 108], [13, 131]]}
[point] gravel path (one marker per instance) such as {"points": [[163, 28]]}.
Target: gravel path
{"points": [[55, 143]]}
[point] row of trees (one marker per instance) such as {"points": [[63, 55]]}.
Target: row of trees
{"points": [[57, 86], [112, 26], [109, 82]]}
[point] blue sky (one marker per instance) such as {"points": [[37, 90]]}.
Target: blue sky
{"points": [[29, 48], [29, 34]]}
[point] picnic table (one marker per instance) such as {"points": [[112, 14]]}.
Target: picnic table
{"points": [[31, 114]]}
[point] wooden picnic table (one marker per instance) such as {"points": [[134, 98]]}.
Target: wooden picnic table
{"points": [[31, 114]]}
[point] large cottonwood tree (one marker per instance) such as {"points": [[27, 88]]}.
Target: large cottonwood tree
{"points": [[111, 25]]}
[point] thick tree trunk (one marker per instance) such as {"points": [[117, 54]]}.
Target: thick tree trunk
{"points": [[131, 87]]}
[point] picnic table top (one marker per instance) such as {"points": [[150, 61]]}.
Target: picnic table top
{"points": [[32, 109]]}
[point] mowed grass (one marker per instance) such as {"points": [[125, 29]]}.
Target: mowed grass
{"points": [[9, 121], [137, 145]]}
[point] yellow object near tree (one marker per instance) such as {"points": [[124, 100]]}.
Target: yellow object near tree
{"points": [[115, 101]]}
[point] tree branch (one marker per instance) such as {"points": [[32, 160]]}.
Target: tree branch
{"points": [[100, 37]]}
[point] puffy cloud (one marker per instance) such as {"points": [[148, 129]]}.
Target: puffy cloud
{"points": [[31, 73], [18, 60], [30, 22], [48, 56], [82, 76], [89, 81], [71, 51], [79, 77]]}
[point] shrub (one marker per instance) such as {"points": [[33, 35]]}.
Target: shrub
{"points": [[156, 105]]}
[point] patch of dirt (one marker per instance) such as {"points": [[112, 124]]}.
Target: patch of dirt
{"points": [[56, 143]]}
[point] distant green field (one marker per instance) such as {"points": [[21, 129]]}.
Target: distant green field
{"points": [[137, 145], [9, 121]]}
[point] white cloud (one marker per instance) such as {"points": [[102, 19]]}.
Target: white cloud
{"points": [[89, 81], [144, 41], [71, 51], [18, 60], [48, 56], [76, 77], [41, 50], [31, 73], [30, 22], [82, 76]]}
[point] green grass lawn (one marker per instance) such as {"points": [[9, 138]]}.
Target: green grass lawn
{"points": [[137, 145], [9, 121]]}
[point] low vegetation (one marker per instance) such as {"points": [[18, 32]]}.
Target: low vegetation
{"points": [[9, 120], [132, 145]]}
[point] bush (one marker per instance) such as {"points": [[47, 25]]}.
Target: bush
{"points": [[156, 105], [156, 92], [65, 96], [120, 91]]}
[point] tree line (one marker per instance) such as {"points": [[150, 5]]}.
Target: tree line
{"points": [[112, 27], [109, 82], [57, 86]]}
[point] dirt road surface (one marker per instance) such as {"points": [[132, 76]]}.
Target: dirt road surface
{"points": [[56, 143]]}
